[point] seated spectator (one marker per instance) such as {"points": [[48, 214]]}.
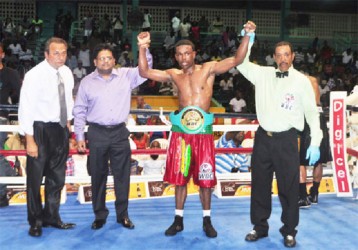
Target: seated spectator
{"points": [[230, 162], [15, 48], [140, 139], [25, 54], [237, 104], [269, 60], [166, 88], [226, 83], [155, 120], [153, 164], [141, 104]]}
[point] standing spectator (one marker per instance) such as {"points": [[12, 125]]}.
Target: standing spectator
{"points": [[347, 57], [176, 23], [169, 42], [184, 29], [284, 98], [44, 116], [270, 61], [117, 24], [103, 101], [217, 25], [326, 52], [79, 73], [88, 25], [147, 20], [238, 104], [299, 57], [37, 26], [105, 28], [9, 27], [141, 104], [231, 162], [203, 24], [195, 33], [84, 57]]}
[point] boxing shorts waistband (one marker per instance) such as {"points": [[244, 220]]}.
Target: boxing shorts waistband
{"points": [[192, 120], [107, 126], [277, 134]]}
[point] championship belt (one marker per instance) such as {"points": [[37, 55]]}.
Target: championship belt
{"points": [[192, 120]]}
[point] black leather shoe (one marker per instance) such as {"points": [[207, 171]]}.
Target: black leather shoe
{"points": [[176, 227], [208, 227], [289, 241], [126, 222], [59, 225], [254, 236], [97, 224], [35, 231]]}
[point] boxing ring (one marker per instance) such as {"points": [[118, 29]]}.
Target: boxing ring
{"points": [[334, 216], [152, 186]]}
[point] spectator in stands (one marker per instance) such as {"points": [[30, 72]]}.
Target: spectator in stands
{"points": [[166, 88], [15, 47], [84, 57], [153, 135], [78, 74], [311, 58], [88, 25], [217, 25], [117, 24], [153, 164], [231, 162], [25, 54], [347, 57], [203, 24], [9, 90], [184, 29], [141, 104], [175, 24], [71, 61], [226, 84], [124, 60], [37, 26], [9, 27], [238, 104], [105, 28], [299, 57], [326, 52], [169, 42], [140, 139], [270, 61], [147, 20]]}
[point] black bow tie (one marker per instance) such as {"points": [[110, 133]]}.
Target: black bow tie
{"points": [[281, 74]]}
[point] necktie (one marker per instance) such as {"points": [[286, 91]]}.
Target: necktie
{"points": [[63, 108], [281, 74]]}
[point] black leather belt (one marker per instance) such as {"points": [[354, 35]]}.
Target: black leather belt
{"points": [[107, 126], [275, 134]]}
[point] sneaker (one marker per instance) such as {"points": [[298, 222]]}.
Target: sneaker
{"points": [[176, 227], [208, 227], [304, 203], [289, 241]]}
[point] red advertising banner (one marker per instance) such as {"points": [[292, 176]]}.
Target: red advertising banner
{"points": [[337, 121]]}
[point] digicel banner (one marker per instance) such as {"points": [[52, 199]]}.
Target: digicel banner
{"points": [[337, 121]]}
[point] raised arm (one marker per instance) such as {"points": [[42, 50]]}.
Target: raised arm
{"points": [[144, 70], [230, 62]]}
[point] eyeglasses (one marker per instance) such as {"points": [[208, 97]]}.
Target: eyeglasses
{"points": [[105, 58]]}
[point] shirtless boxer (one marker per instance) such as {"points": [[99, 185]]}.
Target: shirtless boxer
{"points": [[191, 148]]}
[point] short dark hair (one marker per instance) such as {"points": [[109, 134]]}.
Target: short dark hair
{"points": [[54, 40], [284, 43], [100, 47], [185, 42]]}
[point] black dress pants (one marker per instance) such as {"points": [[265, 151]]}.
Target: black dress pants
{"points": [[109, 144], [275, 153], [53, 146]]}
